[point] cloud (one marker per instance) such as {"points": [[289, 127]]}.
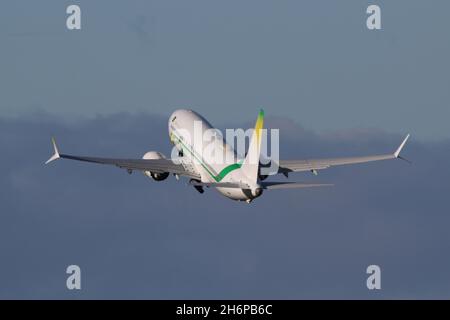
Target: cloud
{"points": [[136, 238], [143, 27]]}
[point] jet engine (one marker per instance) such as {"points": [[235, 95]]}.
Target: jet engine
{"points": [[158, 176]]}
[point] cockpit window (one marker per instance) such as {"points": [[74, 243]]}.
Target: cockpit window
{"points": [[173, 119]]}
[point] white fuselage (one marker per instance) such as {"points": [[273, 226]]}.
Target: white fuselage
{"points": [[211, 157]]}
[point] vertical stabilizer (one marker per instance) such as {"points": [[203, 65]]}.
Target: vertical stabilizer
{"points": [[250, 167]]}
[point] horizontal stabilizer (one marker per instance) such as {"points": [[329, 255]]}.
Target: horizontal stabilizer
{"points": [[292, 185], [219, 184], [264, 185]]}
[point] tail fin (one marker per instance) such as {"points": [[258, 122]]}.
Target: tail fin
{"points": [[250, 167]]}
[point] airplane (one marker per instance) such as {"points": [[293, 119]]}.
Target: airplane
{"points": [[241, 180]]}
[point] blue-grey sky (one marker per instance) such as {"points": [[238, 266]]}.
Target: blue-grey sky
{"points": [[136, 238], [331, 86], [314, 61]]}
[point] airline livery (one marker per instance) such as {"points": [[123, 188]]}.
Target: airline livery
{"points": [[237, 179]]}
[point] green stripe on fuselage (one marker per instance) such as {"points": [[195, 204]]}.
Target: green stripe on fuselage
{"points": [[217, 177], [227, 170]]}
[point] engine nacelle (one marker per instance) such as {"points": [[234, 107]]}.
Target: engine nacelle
{"points": [[158, 176]]}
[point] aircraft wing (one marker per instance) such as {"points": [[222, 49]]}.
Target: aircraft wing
{"points": [[152, 165], [286, 166]]}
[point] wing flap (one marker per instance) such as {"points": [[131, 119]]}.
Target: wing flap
{"points": [[152, 165], [318, 164]]}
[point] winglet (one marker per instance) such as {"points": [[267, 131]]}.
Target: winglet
{"points": [[397, 153], [55, 154]]}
